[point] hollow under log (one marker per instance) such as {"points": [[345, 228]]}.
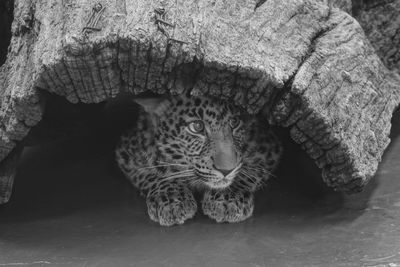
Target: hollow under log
{"points": [[306, 64]]}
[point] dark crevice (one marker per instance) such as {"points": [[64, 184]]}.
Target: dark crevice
{"points": [[234, 82], [74, 90], [128, 71], [80, 80], [149, 62], [167, 53], [6, 18], [280, 93], [106, 83], [259, 3], [98, 67]]}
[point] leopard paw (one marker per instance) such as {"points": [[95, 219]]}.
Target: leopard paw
{"points": [[227, 206], [173, 208]]}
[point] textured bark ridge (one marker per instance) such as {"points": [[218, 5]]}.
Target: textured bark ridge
{"points": [[306, 64], [345, 5], [380, 21]]}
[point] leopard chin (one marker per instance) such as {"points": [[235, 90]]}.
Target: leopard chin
{"points": [[220, 184], [217, 180]]}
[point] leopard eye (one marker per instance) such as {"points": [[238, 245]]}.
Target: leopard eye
{"points": [[234, 122], [196, 126]]}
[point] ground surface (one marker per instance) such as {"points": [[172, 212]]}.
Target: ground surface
{"points": [[71, 207]]}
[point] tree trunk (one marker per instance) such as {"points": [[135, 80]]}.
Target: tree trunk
{"points": [[306, 64]]}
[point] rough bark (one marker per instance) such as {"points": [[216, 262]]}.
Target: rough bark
{"points": [[345, 5], [307, 64], [381, 23]]}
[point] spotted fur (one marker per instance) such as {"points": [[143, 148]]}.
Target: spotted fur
{"points": [[167, 158]]}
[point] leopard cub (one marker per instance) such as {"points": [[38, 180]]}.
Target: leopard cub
{"points": [[183, 144]]}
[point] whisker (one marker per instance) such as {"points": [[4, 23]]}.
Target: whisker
{"points": [[252, 178], [238, 187], [181, 174], [175, 177], [176, 164], [250, 182], [157, 166], [256, 181], [176, 173], [196, 182], [258, 168]]}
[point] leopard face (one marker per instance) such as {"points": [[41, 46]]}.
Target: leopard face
{"points": [[202, 135]]}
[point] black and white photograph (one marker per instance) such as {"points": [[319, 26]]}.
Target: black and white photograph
{"points": [[200, 133]]}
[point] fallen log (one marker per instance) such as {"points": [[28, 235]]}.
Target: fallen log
{"points": [[306, 64]]}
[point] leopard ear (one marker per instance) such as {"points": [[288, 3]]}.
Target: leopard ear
{"points": [[155, 106]]}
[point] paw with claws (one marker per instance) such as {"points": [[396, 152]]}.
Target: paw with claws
{"points": [[228, 206], [171, 205]]}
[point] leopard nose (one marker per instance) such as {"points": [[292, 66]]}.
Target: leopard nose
{"points": [[224, 172]]}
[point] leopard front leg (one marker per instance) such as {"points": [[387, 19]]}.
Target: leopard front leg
{"points": [[228, 205], [170, 203]]}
